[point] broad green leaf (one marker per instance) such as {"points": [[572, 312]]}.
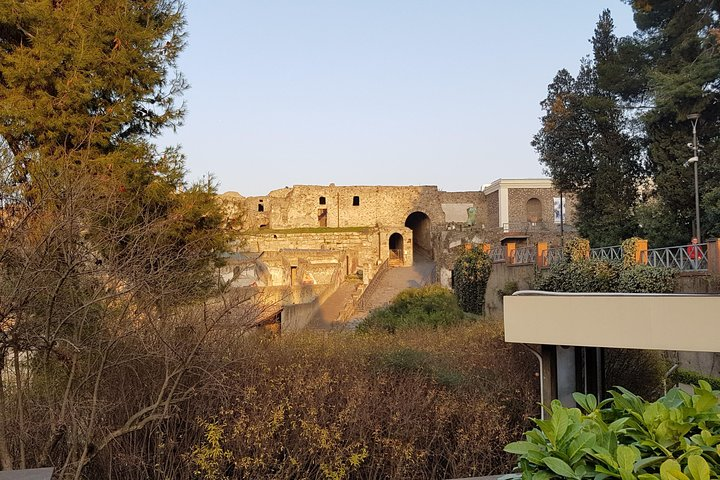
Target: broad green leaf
{"points": [[670, 470], [560, 422], [709, 439], [559, 467], [626, 457], [704, 385], [648, 476], [521, 448], [587, 401], [698, 468], [704, 400]]}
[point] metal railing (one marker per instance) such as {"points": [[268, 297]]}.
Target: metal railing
{"points": [[523, 255], [686, 258], [610, 254], [527, 227], [497, 254], [552, 255]]}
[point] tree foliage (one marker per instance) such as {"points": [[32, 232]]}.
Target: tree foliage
{"points": [[650, 82], [470, 277], [586, 148], [106, 254]]}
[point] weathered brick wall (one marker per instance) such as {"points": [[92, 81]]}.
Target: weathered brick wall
{"points": [[492, 205], [518, 199], [377, 206], [364, 249]]}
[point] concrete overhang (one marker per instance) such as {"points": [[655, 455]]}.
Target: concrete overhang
{"points": [[641, 321]]}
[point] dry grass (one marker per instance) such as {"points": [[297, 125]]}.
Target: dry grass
{"points": [[423, 403]]}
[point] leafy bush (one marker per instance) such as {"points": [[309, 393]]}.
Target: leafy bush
{"points": [[585, 275], [647, 279], [629, 249], [431, 305], [674, 438], [470, 273], [590, 275], [690, 377], [576, 248]]}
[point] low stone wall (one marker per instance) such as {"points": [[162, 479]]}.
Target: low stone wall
{"points": [[502, 274], [296, 317]]}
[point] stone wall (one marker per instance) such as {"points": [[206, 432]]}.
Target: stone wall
{"points": [[307, 206], [492, 202], [364, 250]]}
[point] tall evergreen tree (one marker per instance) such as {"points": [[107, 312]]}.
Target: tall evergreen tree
{"points": [[587, 149], [667, 70]]}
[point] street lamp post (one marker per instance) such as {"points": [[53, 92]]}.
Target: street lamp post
{"points": [[693, 117]]}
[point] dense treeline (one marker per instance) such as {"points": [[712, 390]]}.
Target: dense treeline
{"points": [[616, 135]]}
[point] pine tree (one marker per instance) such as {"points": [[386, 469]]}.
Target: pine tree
{"points": [[587, 149]]}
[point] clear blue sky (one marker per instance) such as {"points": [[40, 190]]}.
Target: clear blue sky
{"points": [[374, 92]]}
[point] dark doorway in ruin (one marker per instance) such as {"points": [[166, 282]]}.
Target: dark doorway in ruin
{"points": [[420, 225], [322, 217], [396, 250]]}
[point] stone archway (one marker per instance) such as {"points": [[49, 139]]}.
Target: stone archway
{"points": [[395, 244], [421, 227]]}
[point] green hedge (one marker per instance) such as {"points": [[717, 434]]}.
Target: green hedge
{"points": [[432, 306], [470, 277], [590, 275]]}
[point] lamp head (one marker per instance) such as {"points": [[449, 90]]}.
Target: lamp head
{"points": [[693, 116]]}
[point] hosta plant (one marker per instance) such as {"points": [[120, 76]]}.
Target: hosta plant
{"points": [[674, 438]]}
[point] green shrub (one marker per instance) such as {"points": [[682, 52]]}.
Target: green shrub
{"points": [[585, 275], [576, 248], [647, 279], [602, 276], [689, 377], [674, 438], [470, 273], [431, 305]]}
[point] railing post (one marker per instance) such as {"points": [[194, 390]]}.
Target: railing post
{"points": [[509, 252], [542, 249], [713, 256], [641, 248]]}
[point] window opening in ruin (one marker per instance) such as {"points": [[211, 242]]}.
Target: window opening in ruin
{"points": [[322, 217], [322, 200], [293, 276], [533, 209], [261, 207], [356, 201]]}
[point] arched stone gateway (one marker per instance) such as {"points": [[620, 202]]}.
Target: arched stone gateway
{"points": [[395, 245], [421, 227]]}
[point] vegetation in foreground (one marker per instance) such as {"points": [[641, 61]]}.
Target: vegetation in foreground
{"points": [[419, 403], [676, 437]]}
